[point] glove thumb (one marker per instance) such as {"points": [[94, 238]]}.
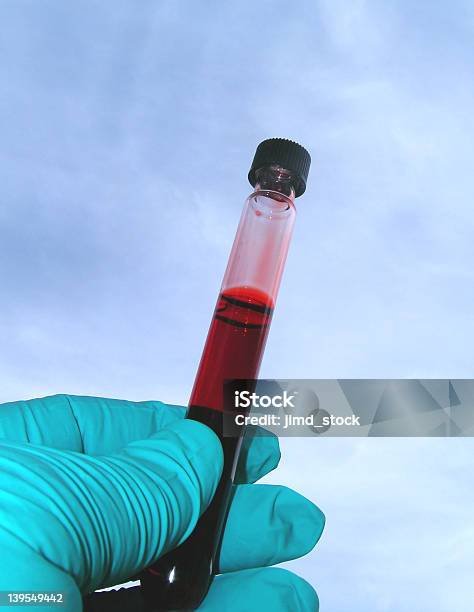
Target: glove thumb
{"points": [[100, 520]]}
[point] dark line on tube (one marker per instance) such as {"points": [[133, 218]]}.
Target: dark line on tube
{"points": [[256, 307], [240, 324]]}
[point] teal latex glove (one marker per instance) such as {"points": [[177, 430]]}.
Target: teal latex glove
{"points": [[93, 490]]}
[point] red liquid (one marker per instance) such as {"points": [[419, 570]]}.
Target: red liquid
{"points": [[234, 349], [234, 345]]}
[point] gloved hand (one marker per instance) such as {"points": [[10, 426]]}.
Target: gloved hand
{"points": [[93, 490]]}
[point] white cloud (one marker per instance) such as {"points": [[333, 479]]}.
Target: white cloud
{"points": [[399, 521]]}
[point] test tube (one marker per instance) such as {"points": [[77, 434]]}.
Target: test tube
{"points": [[233, 350]]}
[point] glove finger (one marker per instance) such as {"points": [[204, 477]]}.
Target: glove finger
{"points": [[259, 455], [102, 519], [273, 589], [285, 524], [99, 426], [92, 425], [29, 572]]}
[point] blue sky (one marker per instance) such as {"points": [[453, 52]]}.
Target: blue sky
{"points": [[127, 131]]}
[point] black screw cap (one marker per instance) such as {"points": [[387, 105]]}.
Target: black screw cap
{"points": [[285, 153]]}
